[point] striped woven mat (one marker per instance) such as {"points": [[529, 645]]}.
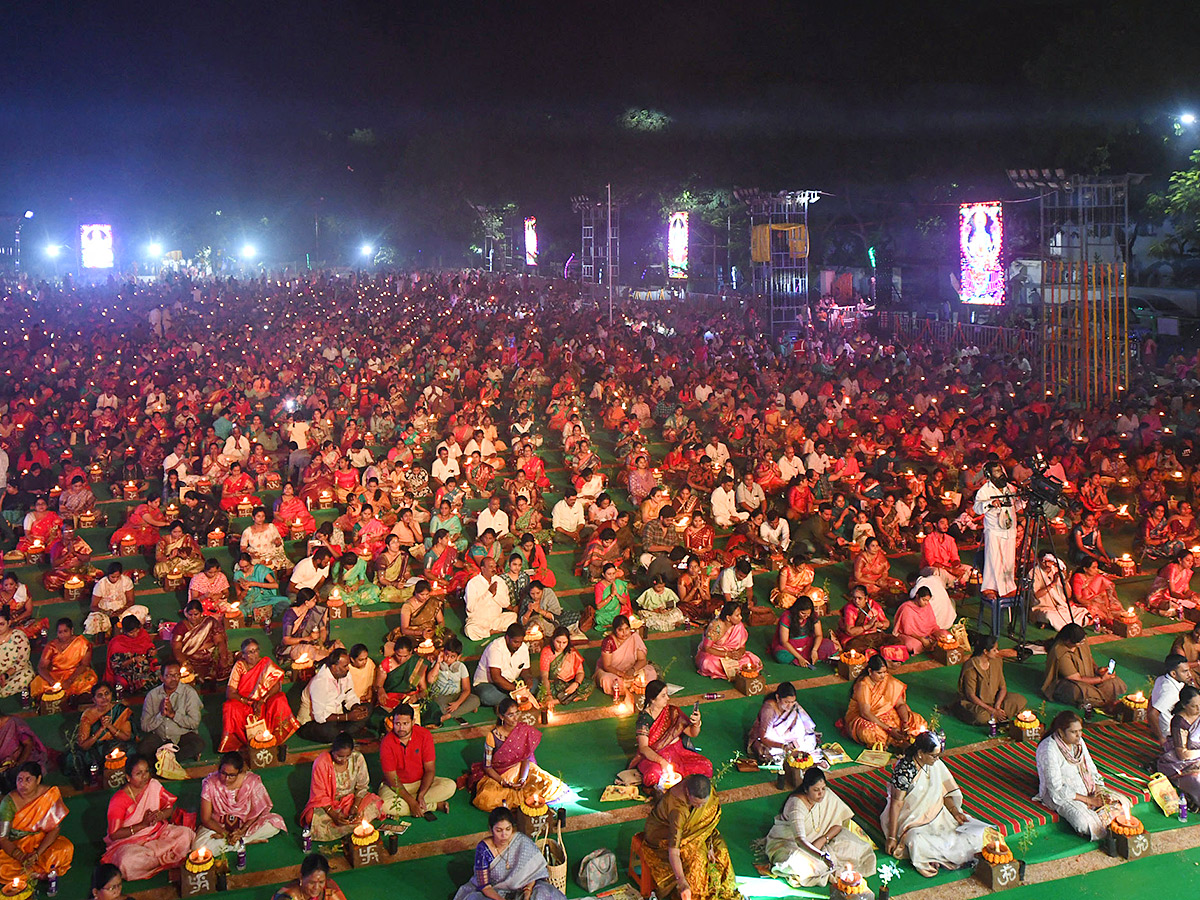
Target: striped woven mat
{"points": [[998, 782]]}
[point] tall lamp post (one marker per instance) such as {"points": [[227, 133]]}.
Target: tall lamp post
{"points": [[17, 238]]}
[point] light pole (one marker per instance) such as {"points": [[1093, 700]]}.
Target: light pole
{"points": [[17, 238], [608, 268]]}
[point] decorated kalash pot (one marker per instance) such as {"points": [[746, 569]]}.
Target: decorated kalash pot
{"points": [[849, 885], [325, 499], [198, 874], [362, 845], [1026, 727], [1127, 838], [996, 867], [95, 473], [204, 485], [263, 752], [1133, 707], [216, 538], [245, 507], [114, 769], [74, 589], [534, 816], [173, 580], [127, 546], [1127, 624], [426, 649], [336, 605], [89, 519], [131, 490], [850, 664], [819, 598], [636, 624], [296, 530], [171, 511], [795, 764], [302, 668], [946, 650], [1127, 565], [533, 639], [748, 681], [235, 617], [52, 700], [36, 555], [20, 888]]}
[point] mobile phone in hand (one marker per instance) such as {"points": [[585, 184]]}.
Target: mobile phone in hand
{"points": [[1112, 665]]}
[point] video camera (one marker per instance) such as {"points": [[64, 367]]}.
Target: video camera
{"points": [[1043, 487]]}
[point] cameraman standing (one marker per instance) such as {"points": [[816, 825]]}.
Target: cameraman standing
{"points": [[996, 502]]}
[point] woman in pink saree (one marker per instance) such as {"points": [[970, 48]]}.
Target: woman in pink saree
{"points": [[1095, 590], [289, 509], [141, 841], [722, 652], [622, 659], [664, 736], [1171, 591], [509, 774]]}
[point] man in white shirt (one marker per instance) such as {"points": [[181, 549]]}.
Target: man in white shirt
{"points": [[296, 433], [737, 582], [703, 392], [237, 446], [724, 505], [495, 518], [310, 572], [790, 465], [750, 496], [176, 460], [503, 663], [330, 704], [931, 435], [568, 517], [775, 532], [717, 452], [487, 603], [112, 596], [818, 460], [443, 468], [1165, 694]]}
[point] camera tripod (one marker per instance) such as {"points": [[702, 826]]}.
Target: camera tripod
{"points": [[1037, 527]]}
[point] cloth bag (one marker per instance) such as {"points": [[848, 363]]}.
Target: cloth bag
{"points": [[167, 765], [598, 870]]}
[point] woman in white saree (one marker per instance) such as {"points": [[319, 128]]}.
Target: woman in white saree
{"points": [[1068, 782], [815, 836], [923, 818]]}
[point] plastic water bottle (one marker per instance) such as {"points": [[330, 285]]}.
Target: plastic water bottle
{"points": [[52, 882], [306, 837], [241, 855], [26, 698], [1183, 807], [993, 730]]}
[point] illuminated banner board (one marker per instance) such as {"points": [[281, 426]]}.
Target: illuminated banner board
{"points": [[677, 245], [96, 246], [980, 238], [531, 251]]}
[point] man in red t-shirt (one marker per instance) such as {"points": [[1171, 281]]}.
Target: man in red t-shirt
{"points": [[410, 787]]}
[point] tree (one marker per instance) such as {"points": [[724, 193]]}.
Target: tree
{"points": [[1180, 204]]}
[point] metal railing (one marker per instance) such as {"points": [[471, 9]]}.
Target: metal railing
{"points": [[988, 338]]}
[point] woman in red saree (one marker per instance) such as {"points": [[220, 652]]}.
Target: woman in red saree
{"points": [[237, 487], [254, 690], [1095, 590], [768, 476], [871, 570], [664, 739], [42, 526], [289, 509], [143, 523], [509, 774], [535, 559], [534, 469], [132, 665], [1172, 591], [315, 480], [141, 841], [339, 794]]}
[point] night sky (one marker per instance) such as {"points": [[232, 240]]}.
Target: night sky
{"points": [[157, 114]]}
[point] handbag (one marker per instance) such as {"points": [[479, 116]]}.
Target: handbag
{"points": [[1164, 794], [598, 870]]}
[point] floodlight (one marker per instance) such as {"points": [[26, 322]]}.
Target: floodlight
{"points": [[366, 249], [52, 250], [155, 249], [1187, 119], [249, 251], [29, 213]]}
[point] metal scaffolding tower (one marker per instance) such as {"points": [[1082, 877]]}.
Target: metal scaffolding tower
{"points": [[779, 253], [600, 254]]}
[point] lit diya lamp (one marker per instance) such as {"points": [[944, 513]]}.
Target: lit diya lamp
{"points": [[114, 768], [88, 519], [234, 617], [296, 530], [533, 634], [849, 883], [130, 489], [1026, 727], [186, 675], [850, 664], [1127, 565], [997, 852], [336, 604], [364, 844], [1127, 837], [17, 889], [1127, 624], [302, 668], [127, 546], [173, 580], [669, 778], [245, 507], [199, 860], [36, 553], [95, 473], [325, 499], [173, 509], [216, 538], [1134, 707], [74, 588]]}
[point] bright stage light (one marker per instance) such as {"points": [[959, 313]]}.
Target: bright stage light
{"points": [[249, 251], [52, 250], [155, 249], [29, 213], [366, 249], [1187, 119]]}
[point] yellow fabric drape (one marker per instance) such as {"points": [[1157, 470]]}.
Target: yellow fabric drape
{"points": [[760, 241]]}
